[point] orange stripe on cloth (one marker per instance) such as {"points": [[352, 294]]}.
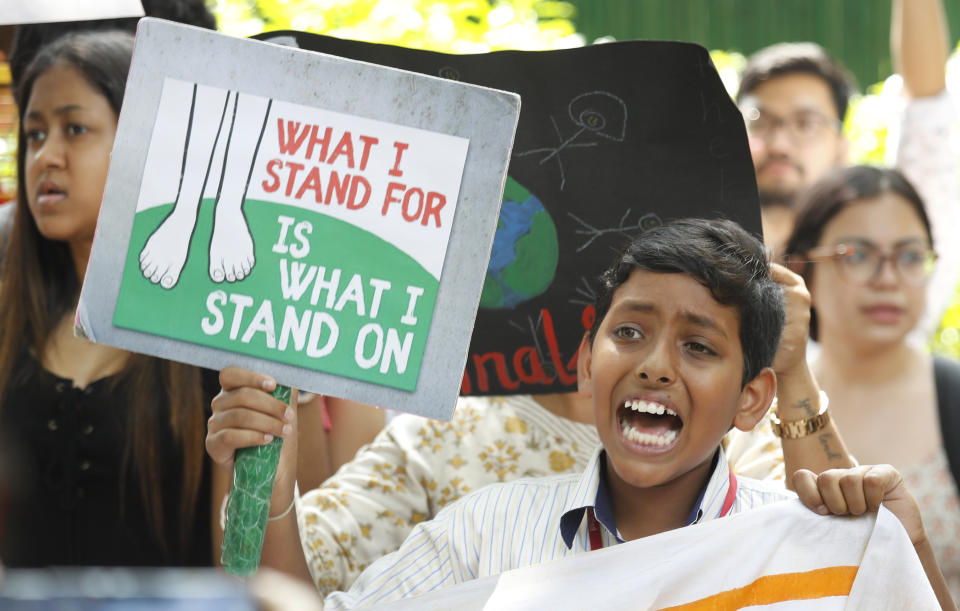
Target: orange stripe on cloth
{"points": [[770, 589]]}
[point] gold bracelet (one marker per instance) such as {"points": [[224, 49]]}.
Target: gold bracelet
{"points": [[798, 429]]}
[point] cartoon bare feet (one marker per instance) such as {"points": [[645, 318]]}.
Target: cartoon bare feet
{"points": [[165, 252], [231, 247]]}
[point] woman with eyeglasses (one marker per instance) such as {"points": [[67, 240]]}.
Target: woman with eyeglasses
{"points": [[864, 246]]}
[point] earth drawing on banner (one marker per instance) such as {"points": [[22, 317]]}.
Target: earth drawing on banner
{"points": [[525, 252]]}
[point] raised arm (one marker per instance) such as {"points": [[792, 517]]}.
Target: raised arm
{"points": [[920, 143], [919, 45], [798, 395]]}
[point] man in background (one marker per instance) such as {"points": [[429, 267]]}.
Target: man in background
{"points": [[794, 97]]}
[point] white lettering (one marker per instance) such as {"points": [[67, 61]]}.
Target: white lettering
{"points": [[365, 331], [316, 329], [285, 223], [415, 292], [262, 321], [214, 325]]}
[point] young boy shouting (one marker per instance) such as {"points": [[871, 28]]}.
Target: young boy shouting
{"points": [[688, 321]]}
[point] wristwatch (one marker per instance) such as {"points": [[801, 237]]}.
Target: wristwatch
{"points": [[798, 429]]}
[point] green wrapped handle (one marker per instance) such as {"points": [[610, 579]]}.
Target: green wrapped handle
{"points": [[254, 471]]}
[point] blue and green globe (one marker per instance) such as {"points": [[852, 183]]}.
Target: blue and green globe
{"points": [[525, 250]]}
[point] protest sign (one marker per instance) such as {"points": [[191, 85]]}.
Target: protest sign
{"points": [[612, 138], [43, 11], [319, 219]]}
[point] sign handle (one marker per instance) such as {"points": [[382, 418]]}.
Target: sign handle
{"points": [[254, 471]]}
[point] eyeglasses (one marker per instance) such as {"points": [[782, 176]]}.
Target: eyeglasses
{"points": [[801, 127], [862, 262]]}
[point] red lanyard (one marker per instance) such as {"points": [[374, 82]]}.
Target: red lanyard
{"points": [[593, 526]]}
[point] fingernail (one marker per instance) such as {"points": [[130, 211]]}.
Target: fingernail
{"points": [[822, 510], [268, 384], [288, 414], [267, 437], [287, 429]]}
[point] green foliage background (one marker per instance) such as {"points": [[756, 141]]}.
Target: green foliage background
{"points": [[451, 26]]}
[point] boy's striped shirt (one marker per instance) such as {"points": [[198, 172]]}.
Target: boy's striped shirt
{"points": [[507, 526]]}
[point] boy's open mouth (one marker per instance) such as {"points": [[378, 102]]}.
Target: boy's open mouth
{"points": [[648, 423]]}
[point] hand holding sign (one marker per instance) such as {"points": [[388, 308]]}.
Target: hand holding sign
{"points": [[251, 417], [258, 218]]}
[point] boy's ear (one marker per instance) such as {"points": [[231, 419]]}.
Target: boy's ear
{"points": [[584, 364], [755, 399]]}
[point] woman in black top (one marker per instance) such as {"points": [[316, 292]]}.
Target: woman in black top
{"points": [[107, 445]]}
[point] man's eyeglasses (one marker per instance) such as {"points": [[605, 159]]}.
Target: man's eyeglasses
{"points": [[802, 127], [862, 262]]}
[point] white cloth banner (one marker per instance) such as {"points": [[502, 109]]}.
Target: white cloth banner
{"points": [[779, 557]]}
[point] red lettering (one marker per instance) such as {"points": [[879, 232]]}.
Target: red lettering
{"points": [[536, 375], [338, 187], [323, 142], [368, 141], [551, 335], [312, 182], [406, 201], [588, 317], [272, 165], [572, 363], [344, 147], [294, 168], [389, 198], [290, 144], [433, 209], [500, 367], [528, 366], [352, 203], [400, 146]]}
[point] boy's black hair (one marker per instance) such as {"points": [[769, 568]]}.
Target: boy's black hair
{"points": [[793, 57], [723, 257]]}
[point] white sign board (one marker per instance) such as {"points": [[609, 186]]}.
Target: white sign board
{"points": [[323, 220]]}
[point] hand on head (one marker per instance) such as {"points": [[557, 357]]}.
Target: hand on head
{"points": [[792, 351]]}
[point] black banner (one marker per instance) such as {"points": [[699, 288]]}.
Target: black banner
{"points": [[612, 139]]}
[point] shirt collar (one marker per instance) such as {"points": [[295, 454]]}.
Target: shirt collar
{"points": [[592, 491]]}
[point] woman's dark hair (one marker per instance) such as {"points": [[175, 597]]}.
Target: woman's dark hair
{"points": [[723, 257], [103, 58], [39, 287], [831, 195], [29, 38]]}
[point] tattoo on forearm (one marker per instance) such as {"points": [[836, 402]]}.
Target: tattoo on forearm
{"points": [[825, 442], [804, 404]]}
